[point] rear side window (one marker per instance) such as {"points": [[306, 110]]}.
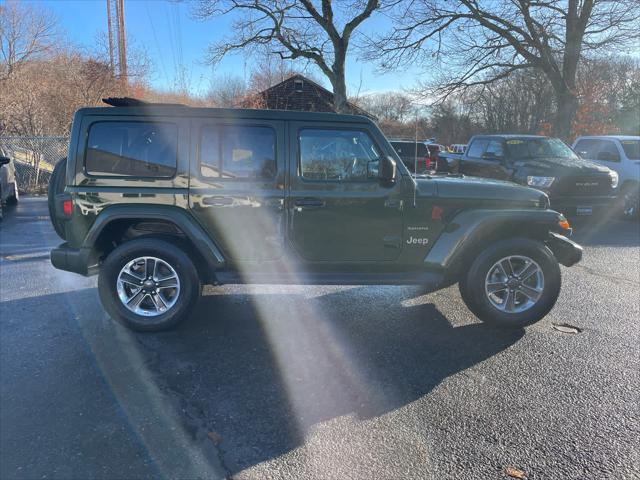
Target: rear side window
{"points": [[477, 147], [132, 149], [408, 149], [631, 149], [237, 151]]}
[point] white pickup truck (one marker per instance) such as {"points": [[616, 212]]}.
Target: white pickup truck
{"points": [[622, 154]]}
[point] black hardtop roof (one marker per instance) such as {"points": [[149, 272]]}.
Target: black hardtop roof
{"points": [[239, 113]]}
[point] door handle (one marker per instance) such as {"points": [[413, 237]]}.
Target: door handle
{"points": [[308, 203], [217, 201]]}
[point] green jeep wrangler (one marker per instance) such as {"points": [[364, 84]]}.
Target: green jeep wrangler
{"points": [[159, 200]]}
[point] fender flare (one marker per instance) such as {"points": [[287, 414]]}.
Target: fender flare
{"points": [[178, 216], [472, 227]]}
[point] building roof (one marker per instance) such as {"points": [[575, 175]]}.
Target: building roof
{"points": [[303, 94]]}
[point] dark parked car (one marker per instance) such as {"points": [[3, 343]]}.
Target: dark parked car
{"points": [[159, 200], [574, 185], [416, 156]]}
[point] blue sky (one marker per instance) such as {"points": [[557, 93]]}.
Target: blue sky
{"points": [[172, 38]]}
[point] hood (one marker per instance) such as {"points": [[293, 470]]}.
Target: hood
{"points": [[482, 192], [561, 166]]}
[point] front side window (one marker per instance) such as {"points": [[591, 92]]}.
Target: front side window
{"points": [[477, 147], [237, 151], [132, 149], [587, 148], [342, 155], [495, 149]]}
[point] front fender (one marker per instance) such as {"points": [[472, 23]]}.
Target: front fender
{"points": [[473, 229]]}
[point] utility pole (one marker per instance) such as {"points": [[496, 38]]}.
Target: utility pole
{"points": [[117, 24], [112, 67], [122, 42]]}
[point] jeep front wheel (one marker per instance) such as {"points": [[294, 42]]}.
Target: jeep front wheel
{"points": [[148, 284], [513, 283]]}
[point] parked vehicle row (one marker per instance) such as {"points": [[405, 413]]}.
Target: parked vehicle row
{"points": [[598, 174]]}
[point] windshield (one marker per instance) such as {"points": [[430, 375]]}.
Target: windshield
{"points": [[524, 148], [631, 149]]}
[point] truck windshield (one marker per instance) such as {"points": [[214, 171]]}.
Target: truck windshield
{"points": [[631, 149], [523, 148]]}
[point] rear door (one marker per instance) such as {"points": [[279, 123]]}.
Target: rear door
{"points": [[339, 211], [237, 186]]}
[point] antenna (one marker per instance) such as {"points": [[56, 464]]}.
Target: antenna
{"points": [[415, 162]]}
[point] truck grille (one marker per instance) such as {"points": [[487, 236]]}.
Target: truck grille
{"points": [[580, 186]]}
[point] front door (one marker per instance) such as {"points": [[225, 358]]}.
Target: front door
{"points": [[237, 186], [485, 158], [339, 211]]}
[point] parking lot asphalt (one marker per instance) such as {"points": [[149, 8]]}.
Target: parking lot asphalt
{"points": [[318, 382]]}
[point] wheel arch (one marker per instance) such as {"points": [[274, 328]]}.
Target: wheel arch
{"points": [[470, 232], [119, 223]]}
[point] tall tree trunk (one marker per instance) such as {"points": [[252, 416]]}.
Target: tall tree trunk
{"points": [[567, 106], [338, 78], [340, 95]]}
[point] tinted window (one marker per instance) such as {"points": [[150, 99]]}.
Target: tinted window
{"points": [[408, 149], [609, 150], [476, 149], [495, 148], [232, 151], [631, 149], [345, 155], [587, 148], [133, 149]]}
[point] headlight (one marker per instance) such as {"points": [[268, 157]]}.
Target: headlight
{"points": [[614, 179], [540, 182]]}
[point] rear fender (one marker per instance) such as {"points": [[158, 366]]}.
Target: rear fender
{"points": [[192, 230]]}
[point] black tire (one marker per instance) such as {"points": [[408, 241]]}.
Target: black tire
{"points": [[630, 197], [12, 201], [472, 285], [165, 251], [56, 186]]}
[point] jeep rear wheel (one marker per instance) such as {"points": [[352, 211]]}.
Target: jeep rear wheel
{"points": [[513, 283], [148, 284]]}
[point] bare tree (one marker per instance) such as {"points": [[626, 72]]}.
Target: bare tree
{"points": [[226, 91], [26, 33], [294, 29], [389, 106], [473, 43]]}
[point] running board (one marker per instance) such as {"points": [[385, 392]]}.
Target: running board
{"points": [[430, 279]]}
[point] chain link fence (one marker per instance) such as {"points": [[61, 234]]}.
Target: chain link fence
{"points": [[34, 159]]}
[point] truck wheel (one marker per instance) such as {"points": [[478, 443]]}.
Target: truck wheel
{"points": [[56, 185], [148, 284], [513, 283], [631, 202], [13, 199]]}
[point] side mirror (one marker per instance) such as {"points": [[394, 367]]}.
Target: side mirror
{"points": [[4, 160], [608, 156], [387, 169]]}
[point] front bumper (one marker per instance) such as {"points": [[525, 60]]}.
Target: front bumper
{"points": [[570, 204], [76, 260], [566, 251]]}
